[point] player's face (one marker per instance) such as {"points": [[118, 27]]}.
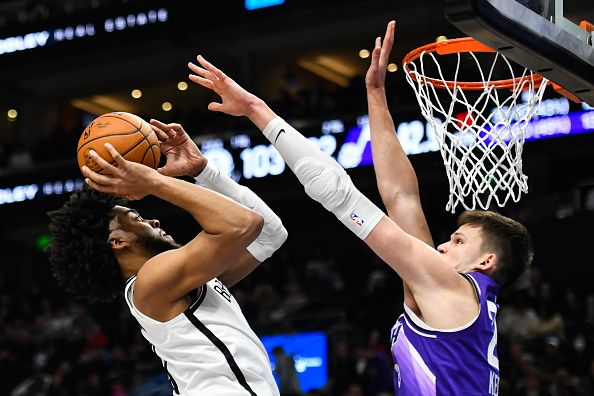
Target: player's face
{"points": [[147, 232], [464, 248]]}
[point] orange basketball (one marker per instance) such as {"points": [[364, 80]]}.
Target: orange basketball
{"points": [[129, 134]]}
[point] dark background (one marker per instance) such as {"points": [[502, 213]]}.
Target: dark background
{"points": [[58, 87]]}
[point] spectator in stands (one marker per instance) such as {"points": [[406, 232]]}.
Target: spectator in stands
{"points": [[284, 367], [342, 368], [550, 322], [517, 321]]}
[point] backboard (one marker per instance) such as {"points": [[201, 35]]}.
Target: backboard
{"points": [[535, 34]]}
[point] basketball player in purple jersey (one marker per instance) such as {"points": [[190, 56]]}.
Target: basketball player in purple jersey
{"points": [[440, 347], [445, 341]]}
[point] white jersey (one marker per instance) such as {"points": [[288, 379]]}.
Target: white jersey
{"points": [[210, 349]]}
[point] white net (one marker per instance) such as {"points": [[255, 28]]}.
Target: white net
{"points": [[480, 132]]}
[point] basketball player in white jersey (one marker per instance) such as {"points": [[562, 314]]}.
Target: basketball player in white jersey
{"points": [[178, 294], [446, 341]]}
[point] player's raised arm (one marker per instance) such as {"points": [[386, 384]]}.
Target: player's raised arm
{"points": [[396, 178], [185, 159], [323, 178], [326, 182], [228, 228]]}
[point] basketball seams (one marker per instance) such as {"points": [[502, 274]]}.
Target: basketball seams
{"points": [[145, 153], [124, 154], [145, 137], [149, 127], [111, 134], [150, 148], [128, 121], [137, 129], [155, 161]]}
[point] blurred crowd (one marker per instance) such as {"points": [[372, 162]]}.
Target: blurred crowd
{"points": [[546, 339], [52, 345]]}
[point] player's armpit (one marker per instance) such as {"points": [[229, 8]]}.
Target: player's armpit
{"points": [[239, 269]]}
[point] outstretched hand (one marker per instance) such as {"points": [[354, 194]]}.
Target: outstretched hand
{"points": [[236, 101], [376, 74], [128, 179], [183, 156]]}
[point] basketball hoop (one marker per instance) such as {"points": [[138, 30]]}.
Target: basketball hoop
{"points": [[482, 149]]}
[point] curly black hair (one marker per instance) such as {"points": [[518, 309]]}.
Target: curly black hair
{"points": [[80, 255]]}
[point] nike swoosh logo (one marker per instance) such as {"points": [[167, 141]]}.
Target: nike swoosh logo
{"points": [[279, 133]]}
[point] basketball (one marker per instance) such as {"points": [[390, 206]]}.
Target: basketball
{"points": [[129, 134]]}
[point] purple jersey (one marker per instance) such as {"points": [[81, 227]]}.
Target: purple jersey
{"points": [[460, 361]]}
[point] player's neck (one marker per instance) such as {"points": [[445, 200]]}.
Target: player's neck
{"points": [[131, 262]]}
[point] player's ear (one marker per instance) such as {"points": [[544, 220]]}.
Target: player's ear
{"points": [[486, 262], [118, 240]]}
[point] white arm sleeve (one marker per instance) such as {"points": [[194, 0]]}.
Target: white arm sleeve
{"points": [[273, 234], [324, 179]]}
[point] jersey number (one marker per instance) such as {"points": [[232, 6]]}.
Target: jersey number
{"points": [[491, 358]]}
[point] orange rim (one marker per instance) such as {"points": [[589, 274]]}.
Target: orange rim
{"points": [[587, 26], [464, 44]]}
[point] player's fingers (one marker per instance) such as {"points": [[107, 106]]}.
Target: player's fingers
{"points": [[200, 71], [211, 68], [375, 55], [164, 171], [214, 106], [157, 123], [390, 31], [202, 81], [102, 162], [388, 43], [160, 134], [177, 128], [166, 131], [99, 187], [115, 155], [169, 131], [197, 69], [96, 177], [157, 128]]}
